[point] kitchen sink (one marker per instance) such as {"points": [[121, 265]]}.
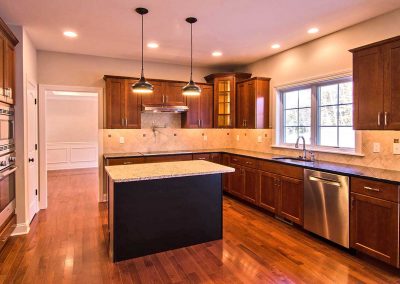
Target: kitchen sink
{"points": [[293, 159]]}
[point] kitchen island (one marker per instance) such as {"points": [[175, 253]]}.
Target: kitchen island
{"points": [[162, 206]]}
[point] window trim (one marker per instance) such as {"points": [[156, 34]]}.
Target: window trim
{"points": [[314, 85]]}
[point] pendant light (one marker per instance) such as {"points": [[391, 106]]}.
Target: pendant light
{"points": [[142, 86], [191, 89]]}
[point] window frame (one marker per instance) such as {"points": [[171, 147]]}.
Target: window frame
{"points": [[314, 86]]}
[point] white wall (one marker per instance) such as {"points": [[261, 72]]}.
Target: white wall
{"points": [[26, 69], [71, 132]]}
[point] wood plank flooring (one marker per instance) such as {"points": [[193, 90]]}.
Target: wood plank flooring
{"points": [[66, 244]]}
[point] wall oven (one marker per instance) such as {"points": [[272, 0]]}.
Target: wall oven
{"points": [[7, 186], [7, 129]]}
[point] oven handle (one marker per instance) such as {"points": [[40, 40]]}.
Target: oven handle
{"points": [[8, 172]]}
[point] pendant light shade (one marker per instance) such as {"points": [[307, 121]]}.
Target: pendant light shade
{"points": [[142, 86], [191, 89]]}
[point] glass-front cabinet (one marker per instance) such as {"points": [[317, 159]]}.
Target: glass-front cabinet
{"points": [[225, 97]]}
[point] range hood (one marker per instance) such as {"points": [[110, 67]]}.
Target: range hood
{"points": [[164, 108]]}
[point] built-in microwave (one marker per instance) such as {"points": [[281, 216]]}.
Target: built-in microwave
{"points": [[7, 186], [7, 128]]}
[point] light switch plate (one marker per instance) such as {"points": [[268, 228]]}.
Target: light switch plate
{"points": [[259, 139], [121, 140], [376, 147], [396, 148], [205, 138], [237, 137]]}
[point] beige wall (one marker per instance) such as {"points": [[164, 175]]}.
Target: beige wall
{"points": [[84, 70]]}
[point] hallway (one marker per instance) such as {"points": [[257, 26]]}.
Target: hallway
{"points": [[66, 244]]}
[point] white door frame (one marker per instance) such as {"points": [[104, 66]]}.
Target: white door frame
{"points": [[42, 133]]}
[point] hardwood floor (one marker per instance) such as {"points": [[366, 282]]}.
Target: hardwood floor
{"points": [[66, 244]]}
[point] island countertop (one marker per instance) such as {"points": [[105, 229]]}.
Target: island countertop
{"points": [[151, 171]]}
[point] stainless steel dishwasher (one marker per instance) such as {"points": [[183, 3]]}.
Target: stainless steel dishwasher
{"points": [[326, 206]]}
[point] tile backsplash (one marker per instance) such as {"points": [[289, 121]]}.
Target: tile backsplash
{"points": [[169, 139]]}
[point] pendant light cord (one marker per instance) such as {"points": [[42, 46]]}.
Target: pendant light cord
{"points": [[191, 51], [142, 74]]}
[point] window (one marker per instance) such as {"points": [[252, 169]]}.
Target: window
{"points": [[322, 113]]}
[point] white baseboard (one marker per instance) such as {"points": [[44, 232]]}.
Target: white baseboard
{"points": [[21, 229]]}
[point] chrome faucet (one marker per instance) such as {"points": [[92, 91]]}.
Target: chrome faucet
{"points": [[304, 157]]}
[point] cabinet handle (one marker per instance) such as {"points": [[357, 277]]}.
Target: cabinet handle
{"points": [[379, 118], [235, 160], [126, 121], [372, 189], [385, 118], [198, 123], [166, 98], [245, 123], [122, 121], [201, 158]]}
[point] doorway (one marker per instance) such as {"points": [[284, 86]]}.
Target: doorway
{"points": [[68, 130]]}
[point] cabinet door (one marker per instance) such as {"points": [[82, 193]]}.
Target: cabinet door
{"points": [[392, 87], [290, 204], [191, 119], [9, 71], [115, 103], [215, 158], [157, 97], [368, 89], [251, 185], [206, 107], [224, 102], [242, 105], [226, 177], [268, 192], [2, 64], [251, 105], [132, 106], [173, 93], [236, 181], [375, 227]]}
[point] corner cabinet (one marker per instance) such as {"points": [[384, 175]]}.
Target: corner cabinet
{"points": [[7, 64], [225, 97], [252, 98], [376, 76]]}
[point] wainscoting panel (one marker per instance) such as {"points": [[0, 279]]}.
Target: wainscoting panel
{"points": [[72, 155]]}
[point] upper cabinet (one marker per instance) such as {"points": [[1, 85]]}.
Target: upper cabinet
{"points": [[165, 93], [376, 76], [252, 97], [200, 113], [7, 64], [225, 97]]}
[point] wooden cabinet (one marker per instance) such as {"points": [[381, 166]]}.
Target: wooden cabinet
{"points": [[200, 113], [290, 199], [173, 93], [268, 191], [157, 97], [215, 158], [7, 64], [225, 160], [165, 93], [252, 109], [250, 184], [374, 216], [225, 97], [376, 77], [236, 185], [122, 105], [168, 158]]}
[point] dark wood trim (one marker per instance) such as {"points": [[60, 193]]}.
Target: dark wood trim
{"points": [[105, 77], [8, 33], [254, 79], [379, 43], [238, 75]]}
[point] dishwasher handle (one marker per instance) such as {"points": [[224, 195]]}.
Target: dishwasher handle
{"points": [[324, 180]]}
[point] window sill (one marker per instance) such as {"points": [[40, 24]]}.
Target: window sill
{"points": [[322, 150]]}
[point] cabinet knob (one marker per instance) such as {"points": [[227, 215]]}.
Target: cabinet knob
{"points": [[385, 118], [379, 118]]}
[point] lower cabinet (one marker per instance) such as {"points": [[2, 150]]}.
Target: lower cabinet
{"points": [[250, 184], [236, 185], [268, 191], [375, 227], [290, 199]]}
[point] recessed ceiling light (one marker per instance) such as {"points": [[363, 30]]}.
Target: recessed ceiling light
{"points": [[313, 30], [152, 45], [70, 34], [275, 46], [216, 53]]}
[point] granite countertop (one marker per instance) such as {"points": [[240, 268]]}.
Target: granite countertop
{"points": [[391, 176], [151, 171]]}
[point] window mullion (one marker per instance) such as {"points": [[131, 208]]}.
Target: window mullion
{"points": [[314, 112]]}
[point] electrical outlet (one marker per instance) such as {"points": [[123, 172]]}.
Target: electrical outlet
{"points": [[121, 140], [396, 147], [259, 139], [237, 137], [376, 147], [205, 137]]}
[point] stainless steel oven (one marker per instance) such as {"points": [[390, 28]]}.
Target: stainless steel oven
{"points": [[7, 129], [7, 186]]}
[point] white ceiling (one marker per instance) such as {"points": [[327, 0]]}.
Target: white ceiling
{"points": [[243, 30]]}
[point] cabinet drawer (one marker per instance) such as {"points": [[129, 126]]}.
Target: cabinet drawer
{"points": [[280, 169], [202, 156], [168, 158], [125, 161], [385, 191], [244, 161]]}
